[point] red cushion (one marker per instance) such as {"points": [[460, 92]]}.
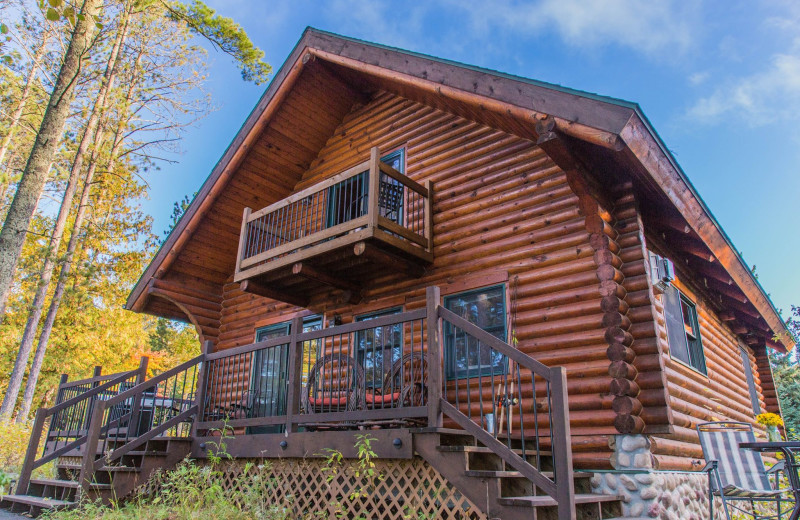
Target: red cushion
{"points": [[382, 398], [327, 401]]}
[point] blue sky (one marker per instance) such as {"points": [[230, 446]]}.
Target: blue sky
{"points": [[720, 81]]}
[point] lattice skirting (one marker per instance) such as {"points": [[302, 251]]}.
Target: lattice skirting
{"points": [[398, 490]]}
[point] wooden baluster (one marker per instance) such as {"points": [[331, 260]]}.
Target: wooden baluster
{"points": [[295, 379], [435, 419]]}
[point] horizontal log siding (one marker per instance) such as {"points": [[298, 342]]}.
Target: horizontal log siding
{"points": [[693, 397], [501, 206]]}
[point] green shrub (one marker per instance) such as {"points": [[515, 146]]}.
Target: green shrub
{"points": [[14, 439]]}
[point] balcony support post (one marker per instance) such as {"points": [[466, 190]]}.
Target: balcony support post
{"points": [[374, 186], [295, 380], [435, 362]]}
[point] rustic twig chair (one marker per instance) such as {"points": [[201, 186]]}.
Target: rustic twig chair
{"points": [[404, 385], [335, 384], [736, 474]]}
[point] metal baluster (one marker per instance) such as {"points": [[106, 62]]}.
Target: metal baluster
{"points": [[536, 422], [521, 416], [494, 396]]}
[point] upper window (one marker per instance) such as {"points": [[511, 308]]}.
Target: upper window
{"points": [[465, 357], [751, 382], [379, 348], [347, 200], [683, 329]]}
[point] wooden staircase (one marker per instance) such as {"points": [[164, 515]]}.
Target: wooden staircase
{"points": [[499, 490], [110, 483]]}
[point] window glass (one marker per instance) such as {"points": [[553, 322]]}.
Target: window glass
{"points": [[683, 329], [751, 382], [379, 348], [486, 308]]}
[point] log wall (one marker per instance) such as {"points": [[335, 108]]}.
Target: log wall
{"points": [[505, 212], [694, 397]]}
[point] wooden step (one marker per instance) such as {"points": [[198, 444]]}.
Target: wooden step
{"points": [[546, 501], [484, 449], [37, 502], [77, 467], [72, 484], [485, 473]]}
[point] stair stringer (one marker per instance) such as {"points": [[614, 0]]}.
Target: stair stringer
{"points": [[482, 492], [123, 485]]}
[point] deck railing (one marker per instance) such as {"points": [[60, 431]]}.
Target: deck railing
{"points": [[368, 372], [371, 199], [407, 368], [67, 422]]}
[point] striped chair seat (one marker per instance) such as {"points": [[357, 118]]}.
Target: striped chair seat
{"points": [[741, 472], [731, 491]]}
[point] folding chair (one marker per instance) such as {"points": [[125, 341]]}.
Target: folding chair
{"points": [[736, 474]]}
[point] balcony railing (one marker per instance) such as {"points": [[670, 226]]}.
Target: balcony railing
{"points": [[370, 201]]}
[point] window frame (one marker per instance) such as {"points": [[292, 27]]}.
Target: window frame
{"points": [[750, 378], [693, 346], [370, 383], [499, 369]]}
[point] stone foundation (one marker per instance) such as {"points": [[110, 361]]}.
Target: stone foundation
{"points": [[645, 492]]}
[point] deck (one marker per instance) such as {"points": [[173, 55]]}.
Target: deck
{"points": [[337, 233]]}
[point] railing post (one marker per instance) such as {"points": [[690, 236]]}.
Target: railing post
{"points": [[92, 441], [200, 392], [98, 370], [295, 382], [435, 365], [136, 405], [428, 215], [142, 376], [562, 444], [31, 452], [373, 194], [242, 239]]}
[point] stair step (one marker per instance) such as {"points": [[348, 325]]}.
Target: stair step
{"points": [[484, 449], [445, 431], [546, 501], [485, 473], [104, 468], [72, 484], [43, 503]]}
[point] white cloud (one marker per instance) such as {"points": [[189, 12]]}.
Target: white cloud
{"points": [[649, 26], [768, 95], [699, 78]]}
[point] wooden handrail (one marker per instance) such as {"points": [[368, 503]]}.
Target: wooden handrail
{"points": [[382, 321], [537, 367], [90, 393], [141, 387], [90, 380], [336, 179], [403, 179]]}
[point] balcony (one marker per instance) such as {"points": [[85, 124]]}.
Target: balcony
{"points": [[337, 233]]}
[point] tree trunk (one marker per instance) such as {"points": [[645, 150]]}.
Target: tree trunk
{"points": [[23, 99], [90, 135], [66, 268], [20, 213]]}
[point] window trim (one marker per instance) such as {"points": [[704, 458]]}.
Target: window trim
{"points": [[481, 370], [750, 379], [695, 319]]}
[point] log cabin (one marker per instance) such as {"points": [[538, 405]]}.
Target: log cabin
{"points": [[512, 286]]}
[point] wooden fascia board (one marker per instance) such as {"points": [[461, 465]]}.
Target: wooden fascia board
{"points": [[250, 132], [578, 111], [497, 104], [645, 147]]}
